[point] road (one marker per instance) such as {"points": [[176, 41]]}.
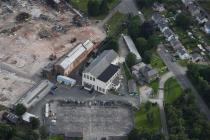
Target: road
{"points": [[159, 100], [180, 74], [125, 7]]}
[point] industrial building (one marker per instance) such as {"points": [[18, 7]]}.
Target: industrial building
{"points": [[35, 94], [67, 64], [103, 73], [131, 46]]}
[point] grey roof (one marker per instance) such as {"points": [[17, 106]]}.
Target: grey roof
{"points": [[175, 43], [162, 24], [152, 72], [168, 32], [132, 88], [207, 25], [101, 63], [196, 55], [156, 17]]}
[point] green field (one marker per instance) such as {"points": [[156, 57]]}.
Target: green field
{"points": [[114, 25], [141, 122], [172, 90], [82, 4]]}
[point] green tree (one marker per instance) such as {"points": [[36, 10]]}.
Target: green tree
{"points": [[20, 109], [146, 30], [130, 59], [134, 27], [34, 122], [141, 44], [6, 132], [104, 8], [183, 21], [111, 43], [93, 7]]}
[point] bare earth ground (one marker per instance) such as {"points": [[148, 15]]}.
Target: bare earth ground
{"points": [[24, 51]]}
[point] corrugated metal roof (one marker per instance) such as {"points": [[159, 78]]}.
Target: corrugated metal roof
{"points": [[88, 44], [131, 46], [72, 56]]}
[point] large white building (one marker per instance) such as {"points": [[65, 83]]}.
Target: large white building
{"points": [[103, 73]]}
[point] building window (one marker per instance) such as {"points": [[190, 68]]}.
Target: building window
{"points": [[93, 79], [87, 77], [103, 90], [90, 78], [84, 75]]}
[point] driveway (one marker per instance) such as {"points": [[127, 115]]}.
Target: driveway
{"points": [[159, 100], [180, 74]]}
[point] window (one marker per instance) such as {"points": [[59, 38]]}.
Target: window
{"points": [[87, 77], [93, 79], [84, 75], [103, 90], [90, 78]]}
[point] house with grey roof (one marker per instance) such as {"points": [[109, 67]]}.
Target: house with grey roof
{"points": [[169, 34], [103, 73], [207, 27], [144, 72]]}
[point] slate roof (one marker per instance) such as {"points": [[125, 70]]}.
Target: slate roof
{"points": [[101, 63], [108, 73]]}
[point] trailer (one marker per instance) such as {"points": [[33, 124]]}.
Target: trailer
{"points": [[66, 80]]}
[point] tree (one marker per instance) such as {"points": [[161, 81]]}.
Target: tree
{"points": [[130, 59], [93, 7], [141, 44], [183, 21], [153, 41], [34, 122], [43, 132], [20, 109], [104, 8], [6, 132], [146, 30], [111, 43], [134, 27]]}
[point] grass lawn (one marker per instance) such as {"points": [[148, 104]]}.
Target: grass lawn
{"points": [[114, 24], [57, 137], [172, 90], [154, 85], [141, 121], [82, 4], [158, 63]]}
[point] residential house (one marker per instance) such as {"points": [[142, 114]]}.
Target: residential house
{"points": [[207, 27], [196, 57], [158, 7], [175, 43], [187, 2], [103, 73], [194, 9], [169, 34], [156, 17], [10, 117], [202, 18], [183, 54], [144, 72]]}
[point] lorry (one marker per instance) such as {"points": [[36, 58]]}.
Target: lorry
{"points": [[66, 80]]}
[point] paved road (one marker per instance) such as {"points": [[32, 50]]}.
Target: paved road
{"points": [[179, 73], [125, 7], [160, 100]]}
